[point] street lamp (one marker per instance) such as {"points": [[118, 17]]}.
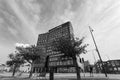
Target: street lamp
{"points": [[91, 30]]}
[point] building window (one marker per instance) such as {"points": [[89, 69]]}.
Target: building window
{"points": [[119, 68], [113, 64], [117, 63], [115, 68], [110, 69]]}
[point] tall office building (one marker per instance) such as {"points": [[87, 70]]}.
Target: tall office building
{"points": [[45, 40], [62, 31]]}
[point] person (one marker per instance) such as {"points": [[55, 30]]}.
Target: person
{"points": [[91, 71]]}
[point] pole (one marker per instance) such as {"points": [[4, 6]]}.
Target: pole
{"points": [[94, 56], [97, 51], [51, 77]]}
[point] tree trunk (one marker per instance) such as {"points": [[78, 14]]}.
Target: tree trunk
{"points": [[14, 70], [77, 70], [78, 73], [30, 74]]}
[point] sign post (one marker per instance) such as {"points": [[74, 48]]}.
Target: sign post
{"points": [[51, 74]]}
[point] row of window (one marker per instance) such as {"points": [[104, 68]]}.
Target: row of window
{"points": [[61, 63], [59, 30], [37, 70], [55, 55], [54, 59], [58, 33], [65, 69], [57, 36], [42, 40], [58, 58]]}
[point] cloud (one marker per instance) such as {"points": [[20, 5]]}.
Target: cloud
{"points": [[22, 21], [22, 45], [13, 31], [28, 21], [4, 51]]}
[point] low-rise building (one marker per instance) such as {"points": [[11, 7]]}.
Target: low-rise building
{"points": [[25, 68], [111, 66], [4, 67]]}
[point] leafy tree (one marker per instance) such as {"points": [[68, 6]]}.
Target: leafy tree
{"points": [[70, 49], [30, 54], [15, 61]]}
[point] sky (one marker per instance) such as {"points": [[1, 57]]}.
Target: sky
{"points": [[22, 20]]}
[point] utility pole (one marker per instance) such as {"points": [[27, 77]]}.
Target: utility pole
{"points": [[97, 51], [94, 56]]}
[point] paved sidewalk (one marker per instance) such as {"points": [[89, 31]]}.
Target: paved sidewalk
{"points": [[61, 76]]}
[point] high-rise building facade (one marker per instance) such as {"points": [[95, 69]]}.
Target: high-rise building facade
{"points": [[62, 31], [42, 44], [45, 41]]}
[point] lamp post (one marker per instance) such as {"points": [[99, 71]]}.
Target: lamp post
{"points": [[97, 51], [94, 56]]}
